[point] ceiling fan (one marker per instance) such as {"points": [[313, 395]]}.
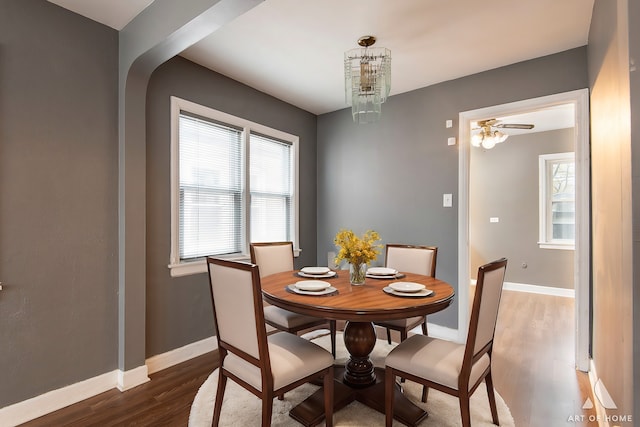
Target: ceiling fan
{"points": [[488, 136]]}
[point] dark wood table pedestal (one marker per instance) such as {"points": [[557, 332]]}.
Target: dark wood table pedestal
{"points": [[358, 380], [359, 340], [310, 412]]}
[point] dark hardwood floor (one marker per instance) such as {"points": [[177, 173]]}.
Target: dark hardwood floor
{"points": [[533, 371], [163, 401]]}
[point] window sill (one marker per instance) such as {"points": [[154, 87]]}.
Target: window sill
{"points": [[561, 246], [200, 266]]}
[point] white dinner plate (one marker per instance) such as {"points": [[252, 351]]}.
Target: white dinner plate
{"points": [[419, 294], [408, 287], [326, 291], [315, 270], [382, 271], [379, 276], [317, 276], [312, 285]]}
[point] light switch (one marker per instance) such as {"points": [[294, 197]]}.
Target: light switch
{"points": [[451, 140], [494, 219], [449, 124], [447, 200]]}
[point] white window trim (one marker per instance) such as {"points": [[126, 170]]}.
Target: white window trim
{"points": [[183, 268], [543, 242]]}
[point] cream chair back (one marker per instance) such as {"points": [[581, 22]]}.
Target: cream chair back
{"points": [[237, 310], [272, 257], [484, 314], [412, 259]]}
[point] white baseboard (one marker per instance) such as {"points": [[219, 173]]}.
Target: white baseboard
{"points": [[438, 331], [600, 411], [607, 412], [43, 404], [536, 289], [21, 412], [442, 332], [132, 378], [182, 354]]}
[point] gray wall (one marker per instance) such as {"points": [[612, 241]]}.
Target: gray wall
{"points": [[390, 176], [504, 183], [179, 309], [58, 198]]}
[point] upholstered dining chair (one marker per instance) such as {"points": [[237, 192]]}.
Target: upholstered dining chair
{"points": [[267, 366], [409, 259], [275, 257], [455, 369]]}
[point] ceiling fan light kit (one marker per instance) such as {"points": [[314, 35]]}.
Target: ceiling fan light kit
{"points": [[488, 137], [367, 73]]}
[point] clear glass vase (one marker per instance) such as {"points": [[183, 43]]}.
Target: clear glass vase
{"points": [[357, 273]]}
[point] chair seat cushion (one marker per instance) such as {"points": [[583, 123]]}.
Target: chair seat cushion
{"points": [[286, 319], [292, 358], [435, 360], [404, 323]]}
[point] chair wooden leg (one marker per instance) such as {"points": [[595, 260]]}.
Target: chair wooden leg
{"points": [[389, 335], [492, 399], [425, 328], [425, 393], [332, 328], [403, 336], [390, 380], [267, 408], [465, 411], [328, 397], [222, 383]]}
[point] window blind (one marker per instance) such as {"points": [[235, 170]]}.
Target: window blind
{"points": [[210, 185], [271, 188]]}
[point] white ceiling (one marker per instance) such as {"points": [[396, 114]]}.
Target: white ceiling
{"points": [[294, 49], [114, 13]]}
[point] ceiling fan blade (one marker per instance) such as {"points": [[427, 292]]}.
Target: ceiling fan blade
{"points": [[514, 126]]}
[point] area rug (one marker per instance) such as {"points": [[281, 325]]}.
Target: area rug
{"points": [[242, 408]]}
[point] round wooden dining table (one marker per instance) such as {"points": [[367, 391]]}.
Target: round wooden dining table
{"points": [[359, 306]]}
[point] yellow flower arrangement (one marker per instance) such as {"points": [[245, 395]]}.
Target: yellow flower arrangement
{"points": [[357, 251]]}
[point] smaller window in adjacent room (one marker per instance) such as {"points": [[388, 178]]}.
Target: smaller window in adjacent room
{"points": [[557, 201], [232, 182]]}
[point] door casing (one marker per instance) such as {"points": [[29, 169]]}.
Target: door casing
{"points": [[582, 258]]}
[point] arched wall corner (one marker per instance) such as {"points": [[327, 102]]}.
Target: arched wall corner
{"points": [[160, 32]]}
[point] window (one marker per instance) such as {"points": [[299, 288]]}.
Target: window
{"points": [[557, 201], [233, 182], [271, 186]]}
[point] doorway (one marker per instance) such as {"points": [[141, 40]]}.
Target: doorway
{"points": [[579, 99]]}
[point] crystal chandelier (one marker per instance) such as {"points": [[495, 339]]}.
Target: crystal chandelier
{"points": [[367, 79]]}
